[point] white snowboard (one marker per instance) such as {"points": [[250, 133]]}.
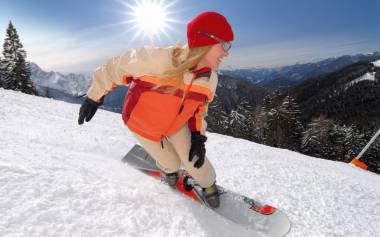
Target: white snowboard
{"points": [[244, 211]]}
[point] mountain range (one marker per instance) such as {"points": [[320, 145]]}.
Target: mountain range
{"points": [[287, 76], [231, 89], [59, 86], [350, 95]]}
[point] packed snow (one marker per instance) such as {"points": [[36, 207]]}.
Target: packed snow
{"points": [[61, 179], [368, 76]]}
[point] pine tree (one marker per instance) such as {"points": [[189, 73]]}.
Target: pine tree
{"points": [[354, 142], [372, 155], [291, 127], [258, 124], [270, 118], [217, 118], [316, 135], [323, 138], [240, 121], [1, 72], [280, 119], [334, 148], [16, 71], [248, 127]]}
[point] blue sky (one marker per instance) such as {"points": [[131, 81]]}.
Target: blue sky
{"points": [[78, 36]]}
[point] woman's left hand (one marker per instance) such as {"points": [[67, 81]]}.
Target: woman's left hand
{"points": [[197, 148]]}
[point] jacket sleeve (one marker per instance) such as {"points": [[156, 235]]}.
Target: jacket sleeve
{"points": [[121, 70], [197, 123]]}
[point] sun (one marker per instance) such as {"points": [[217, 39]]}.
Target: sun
{"points": [[150, 18]]}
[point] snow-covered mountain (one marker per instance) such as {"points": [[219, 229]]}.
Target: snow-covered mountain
{"points": [[287, 76], [376, 63], [351, 94], [48, 83], [368, 76], [67, 87], [61, 179]]}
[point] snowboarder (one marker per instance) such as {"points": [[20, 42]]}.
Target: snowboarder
{"points": [[168, 97]]}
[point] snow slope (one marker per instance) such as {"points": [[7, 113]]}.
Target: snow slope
{"points": [[368, 76], [61, 179], [376, 63]]}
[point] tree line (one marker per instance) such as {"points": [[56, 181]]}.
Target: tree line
{"points": [[277, 122]]}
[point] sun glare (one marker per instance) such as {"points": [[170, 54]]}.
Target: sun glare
{"points": [[150, 18]]}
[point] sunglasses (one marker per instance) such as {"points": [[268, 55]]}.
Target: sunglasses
{"points": [[225, 44]]}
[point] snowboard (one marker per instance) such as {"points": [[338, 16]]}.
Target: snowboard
{"points": [[241, 210]]}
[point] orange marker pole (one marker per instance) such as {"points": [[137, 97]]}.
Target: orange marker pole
{"points": [[356, 161]]}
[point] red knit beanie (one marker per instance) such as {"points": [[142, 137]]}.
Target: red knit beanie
{"points": [[209, 22]]}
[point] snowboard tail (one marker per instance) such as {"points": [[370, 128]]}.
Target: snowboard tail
{"points": [[237, 208]]}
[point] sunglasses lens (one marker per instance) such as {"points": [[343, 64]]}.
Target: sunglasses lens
{"points": [[226, 46]]}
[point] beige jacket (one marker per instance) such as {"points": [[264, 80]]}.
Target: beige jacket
{"points": [[137, 65]]}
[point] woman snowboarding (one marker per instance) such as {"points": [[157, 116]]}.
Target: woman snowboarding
{"points": [[168, 97]]}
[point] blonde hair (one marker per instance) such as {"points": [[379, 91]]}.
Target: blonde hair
{"points": [[194, 56]]}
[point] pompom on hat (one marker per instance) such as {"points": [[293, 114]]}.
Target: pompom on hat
{"points": [[211, 23]]}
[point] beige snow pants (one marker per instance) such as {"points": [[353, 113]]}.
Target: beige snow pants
{"points": [[176, 153]]}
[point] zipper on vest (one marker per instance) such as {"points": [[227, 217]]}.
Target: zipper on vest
{"points": [[181, 108], [185, 94], [196, 73], [162, 141]]}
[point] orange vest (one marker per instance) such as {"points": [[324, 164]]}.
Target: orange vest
{"points": [[152, 113]]}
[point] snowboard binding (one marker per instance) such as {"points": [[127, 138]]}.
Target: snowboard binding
{"points": [[188, 183], [171, 179]]}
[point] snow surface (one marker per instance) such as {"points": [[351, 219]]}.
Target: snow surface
{"points": [[369, 76], [61, 179], [377, 63]]}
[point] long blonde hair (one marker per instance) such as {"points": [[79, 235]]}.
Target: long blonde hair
{"points": [[194, 56]]}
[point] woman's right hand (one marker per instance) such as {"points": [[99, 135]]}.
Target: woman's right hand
{"points": [[87, 110]]}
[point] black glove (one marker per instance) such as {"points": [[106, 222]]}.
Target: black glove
{"points": [[87, 110], [197, 148]]}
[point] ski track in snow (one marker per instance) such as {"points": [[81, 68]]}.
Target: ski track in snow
{"points": [[61, 179]]}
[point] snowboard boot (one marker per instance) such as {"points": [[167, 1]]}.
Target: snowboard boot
{"points": [[212, 196], [172, 179]]}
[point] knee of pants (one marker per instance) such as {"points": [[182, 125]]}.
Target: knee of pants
{"points": [[166, 158], [171, 167]]}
